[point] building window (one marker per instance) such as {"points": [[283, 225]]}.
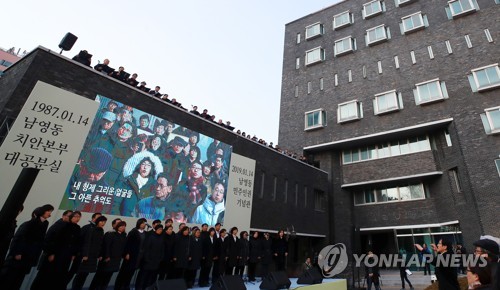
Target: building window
{"points": [[308, 88], [491, 120], [305, 196], [376, 35], [336, 80], [488, 35], [413, 58], [448, 47], [349, 75], [373, 8], [364, 71], [296, 194], [403, 2], [447, 138], [485, 78], [321, 84], [298, 38], [462, 7], [390, 194], [315, 119], [497, 163], [396, 61], [296, 91], [320, 201], [412, 23], [386, 149], [343, 19], [467, 40], [344, 46], [349, 111], [379, 66], [431, 53], [297, 63], [453, 174], [315, 55], [387, 102], [430, 91], [314, 30], [5, 63]]}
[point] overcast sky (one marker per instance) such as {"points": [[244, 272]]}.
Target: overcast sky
{"points": [[225, 56]]}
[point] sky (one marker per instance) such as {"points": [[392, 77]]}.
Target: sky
{"points": [[225, 56]]}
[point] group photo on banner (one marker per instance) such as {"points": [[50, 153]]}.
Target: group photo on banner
{"points": [[135, 164]]}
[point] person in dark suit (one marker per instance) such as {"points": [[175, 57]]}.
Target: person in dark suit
{"points": [[255, 253], [167, 264], [267, 254], [372, 273], [153, 255], [232, 251], [181, 252], [244, 254], [209, 256], [195, 256], [447, 275], [280, 250]]}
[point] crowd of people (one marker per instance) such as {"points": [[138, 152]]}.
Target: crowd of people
{"points": [[131, 79], [66, 253]]}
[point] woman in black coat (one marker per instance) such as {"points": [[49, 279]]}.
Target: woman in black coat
{"points": [[132, 255], [25, 249], [181, 252], [255, 250], [167, 264], [220, 256], [280, 249], [61, 246], [90, 252], [112, 250], [153, 255], [209, 256], [232, 251], [267, 254], [244, 254], [195, 255]]}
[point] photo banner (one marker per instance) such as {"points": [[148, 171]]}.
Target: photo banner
{"points": [[240, 192], [48, 134], [135, 164]]}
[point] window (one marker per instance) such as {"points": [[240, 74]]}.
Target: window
{"points": [[430, 91], [412, 22], [491, 120], [314, 30], [488, 35], [349, 75], [297, 63], [467, 40], [320, 200], [321, 84], [461, 7], [336, 80], [305, 196], [296, 91], [386, 149], [376, 35], [315, 55], [403, 2], [448, 47], [5, 63], [296, 194], [343, 19], [431, 53], [387, 102], [372, 8], [308, 88], [413, 59], [379, 66], [344, 46], [349, 111], [262, 179], [315, 119], [453, 175], [298, 38], [497, 163], [447, 138], [285, 193], [487, 77], [390, 194], [396, 61]]}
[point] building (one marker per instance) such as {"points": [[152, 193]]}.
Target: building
{"points": [[398, 101], [7, 58], [287, 194]]}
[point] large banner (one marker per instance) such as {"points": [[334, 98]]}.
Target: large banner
{"points": [[48, 134], [135, 164]]}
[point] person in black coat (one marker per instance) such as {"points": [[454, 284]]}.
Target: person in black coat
{"points": [[209, 256], [131, 255], [167, 264], [280, 250], [153, 255], [111, 252], [25, 249], [181, 252], [267, 254], [8, 229], [372, 273], [244, 254], [255, 253], [232, 251], [220, 255], [446, 274], [60, 247], [89, 252], [195, 255]]}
